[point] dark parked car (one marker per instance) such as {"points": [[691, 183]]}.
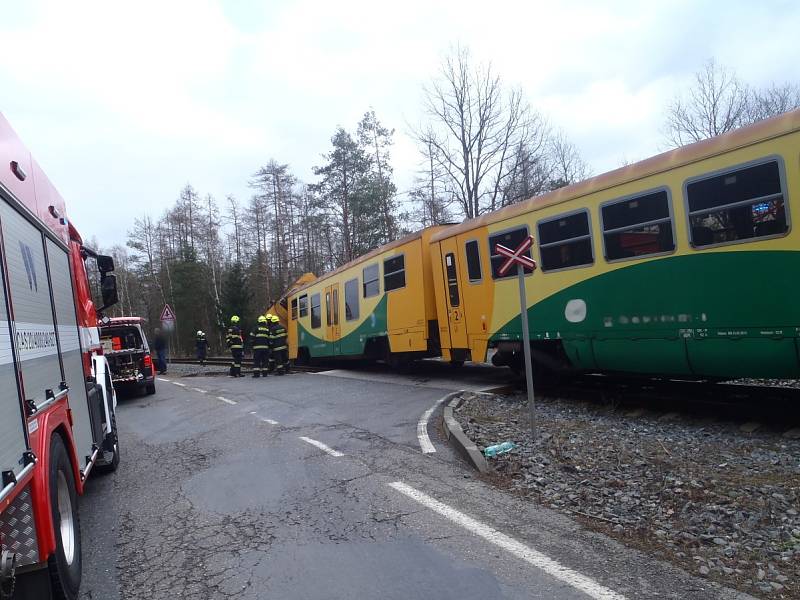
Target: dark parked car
{"points": [[125, 347]]}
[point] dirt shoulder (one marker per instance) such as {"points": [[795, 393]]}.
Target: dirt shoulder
{"points": [[720, 503]]}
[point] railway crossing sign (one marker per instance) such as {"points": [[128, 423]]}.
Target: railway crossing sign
{"points": [[168, 318], [524, 263], [516, 256]]}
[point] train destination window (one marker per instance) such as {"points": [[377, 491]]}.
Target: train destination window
{"points": [[394, 273], [636, 227], [294, 309], [351, 300], [328, 309], [509, 239], [565, 241], [316, 312], [737, 205], [372, 286], [304, 305], [452, 278], [473, 260]]}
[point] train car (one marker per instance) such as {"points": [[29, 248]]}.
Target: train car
{"points": [[683, 265], [380, 306]]}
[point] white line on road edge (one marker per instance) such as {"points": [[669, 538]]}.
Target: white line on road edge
{"points": [[553, 568], [225, 400], [322, 446], [179, 383], [422, 426], [270, 421], [199, 390], [162, 379]]}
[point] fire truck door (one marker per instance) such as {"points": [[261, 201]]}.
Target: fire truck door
{"points": [[13, 442], [92, 413]]}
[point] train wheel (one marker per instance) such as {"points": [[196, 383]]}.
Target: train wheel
{"points": [[65, 564]]}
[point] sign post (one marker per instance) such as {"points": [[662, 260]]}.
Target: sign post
{"points": [[168, 319], [517, 257]]}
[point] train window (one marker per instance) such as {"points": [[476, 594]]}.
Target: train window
{"points": [[740, 204], [328, 309], [637, 227], [303, 305], [372, 286], [316, 312], [452, 278], [394, 273], [351, 300], [565, 241], [473, 260], [294, 309], [336, 306], [510, 239]]}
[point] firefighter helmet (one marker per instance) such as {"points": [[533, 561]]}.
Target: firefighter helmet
{"points": [[275, 319], [235, 319], [269, 316], [262, 319], [200, 332]]}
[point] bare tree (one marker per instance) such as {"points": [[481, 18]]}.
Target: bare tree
{"points": [[475, 126], [771, 101], [716, 103]]}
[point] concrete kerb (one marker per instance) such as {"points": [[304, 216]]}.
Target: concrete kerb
{"points": [[465, 446]]}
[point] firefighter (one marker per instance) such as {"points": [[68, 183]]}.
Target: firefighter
{"points": [[261, 341], [235, 344], [201, 346], [280, 351], [270, 353]]}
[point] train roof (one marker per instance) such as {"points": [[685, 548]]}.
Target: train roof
{"points": [[22, 176], [369, 255], [745, 136]]}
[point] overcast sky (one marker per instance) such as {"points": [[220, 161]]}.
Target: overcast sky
{"points": [[123, 103]]}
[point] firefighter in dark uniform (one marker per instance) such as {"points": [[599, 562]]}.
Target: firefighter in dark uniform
{"points": [[201, 347], [235, 344], [280, 351], [261, 342], [270, 354]]}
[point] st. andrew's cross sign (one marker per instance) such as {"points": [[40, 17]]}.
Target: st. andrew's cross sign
{"points": [[523, 263]]}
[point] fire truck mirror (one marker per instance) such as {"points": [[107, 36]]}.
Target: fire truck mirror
{"points": [[105, 263], [108, 287]]}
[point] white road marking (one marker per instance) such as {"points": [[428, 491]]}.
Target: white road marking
{"points": [[162, 379], [552, 567], [179, 383], [270, 421], [225, 400], [422, 428], [321, 446], [199, 390]]}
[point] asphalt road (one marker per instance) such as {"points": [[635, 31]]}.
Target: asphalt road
{"points": [[225, 492]]}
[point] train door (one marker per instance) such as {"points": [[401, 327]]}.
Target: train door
{"points": [[453, 299], [333, 329]]}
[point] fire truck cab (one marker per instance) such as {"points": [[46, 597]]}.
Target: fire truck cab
{"points": [[57, 403]]}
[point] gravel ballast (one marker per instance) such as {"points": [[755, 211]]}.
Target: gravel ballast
{"points": [[716, 500]]}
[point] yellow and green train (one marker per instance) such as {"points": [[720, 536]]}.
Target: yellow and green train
{"points": [[684, 264]]}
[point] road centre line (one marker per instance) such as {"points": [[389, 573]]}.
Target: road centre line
{"points": [[422, 426], [321, 446], [550, 566], [199, 390], [270, 421], [178, 383], [226, 401], [162, 379]]}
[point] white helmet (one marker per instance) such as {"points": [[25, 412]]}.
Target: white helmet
{"points": [[199, 332]]}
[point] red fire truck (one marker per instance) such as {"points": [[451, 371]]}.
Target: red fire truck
{"points": [[57, 404]]}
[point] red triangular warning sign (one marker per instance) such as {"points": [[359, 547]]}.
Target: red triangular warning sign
{"points": [[167, 314]]}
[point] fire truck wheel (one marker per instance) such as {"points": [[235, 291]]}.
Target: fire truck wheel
{"points": [[65, 563]]}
